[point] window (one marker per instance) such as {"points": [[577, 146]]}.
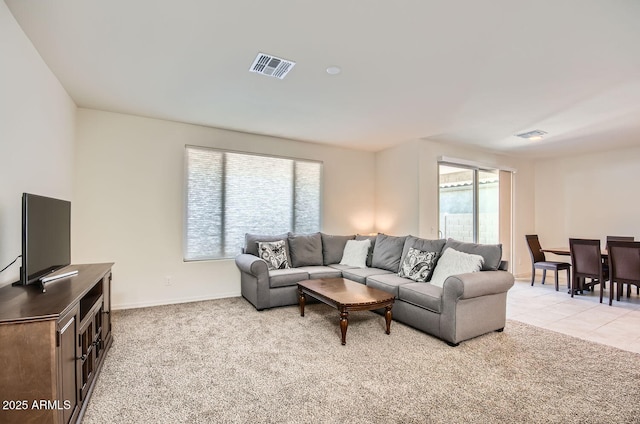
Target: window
{"points": [[230, 194]]}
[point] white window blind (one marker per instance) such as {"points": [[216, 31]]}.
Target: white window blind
{"points": [[230, 194]]}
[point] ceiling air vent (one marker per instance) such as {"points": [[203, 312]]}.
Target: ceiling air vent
{"points": [[271, 66], [533, 135]]}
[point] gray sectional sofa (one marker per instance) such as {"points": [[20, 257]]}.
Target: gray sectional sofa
{"points": [[461, 307]]}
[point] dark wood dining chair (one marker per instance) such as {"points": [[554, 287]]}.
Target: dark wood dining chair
{"points": [[539, 261], [623, 238], [586, 258], [624, 265], [619, 238]]}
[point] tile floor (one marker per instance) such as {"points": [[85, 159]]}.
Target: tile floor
{"points": [[581, 316]]}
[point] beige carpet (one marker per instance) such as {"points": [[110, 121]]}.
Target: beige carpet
{"points": [[222, 361]]}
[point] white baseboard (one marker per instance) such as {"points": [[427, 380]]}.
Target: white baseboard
{"points": [[121, 306]]}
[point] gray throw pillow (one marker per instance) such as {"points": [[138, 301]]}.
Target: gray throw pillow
{"points": [[387, 252], [418, 265], [274, 253], [305, 249], [251, 242], [425, 245], [491, 253], [333, 247]]}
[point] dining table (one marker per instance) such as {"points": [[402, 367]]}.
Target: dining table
{"points": [[565, 251]]}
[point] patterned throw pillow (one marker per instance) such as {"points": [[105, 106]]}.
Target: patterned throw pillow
{"points": [[417, 265], [274, 253]]}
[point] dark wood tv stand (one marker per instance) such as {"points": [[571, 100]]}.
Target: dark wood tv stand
{"points": [[53, 345]]}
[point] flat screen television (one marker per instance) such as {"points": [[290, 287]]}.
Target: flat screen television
{"points": [[46, 236]]}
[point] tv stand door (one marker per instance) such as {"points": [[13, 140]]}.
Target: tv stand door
{"points": [[68, 369]]}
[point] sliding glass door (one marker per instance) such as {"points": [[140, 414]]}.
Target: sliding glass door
{"points": [[469, 203], [488, 206], [457, 199]]}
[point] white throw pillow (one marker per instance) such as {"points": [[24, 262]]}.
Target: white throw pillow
{"points": [[453, 262], [355, 253]]}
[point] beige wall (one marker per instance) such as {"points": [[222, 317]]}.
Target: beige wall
{"points": [[407, 191], [398, 190], [36, 136], [128, 202], [588, 196]]}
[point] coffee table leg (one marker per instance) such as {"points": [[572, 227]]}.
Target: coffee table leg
{"points": [[387, 317], [344, 323], [301, 301]]}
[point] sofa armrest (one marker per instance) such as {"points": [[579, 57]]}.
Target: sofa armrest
{"points": [[254, 280], [252, 265], [473, 304], [476, 284]]}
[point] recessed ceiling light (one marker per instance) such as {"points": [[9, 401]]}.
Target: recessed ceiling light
{"points": [[333, 70], [533, 135]]}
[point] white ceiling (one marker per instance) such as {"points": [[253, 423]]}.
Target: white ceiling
{"points": [[456, 71]]}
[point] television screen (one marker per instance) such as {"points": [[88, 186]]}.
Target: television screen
{"points": [[46, 236]]}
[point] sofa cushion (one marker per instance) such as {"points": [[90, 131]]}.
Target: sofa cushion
{"points": [[321, 272], [373, 245], [251, 242], [418, 265], [305, 249], [274, 254], [341, 267], [492, 253], [387, 282], [426, 296], [360, 274], [387, 252], [425, 245], [333, 247], [286, 277], [355, 253], [453, 262]]}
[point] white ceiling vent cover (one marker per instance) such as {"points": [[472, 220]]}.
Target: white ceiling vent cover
{"points": [[271, 66], [533, 135]]}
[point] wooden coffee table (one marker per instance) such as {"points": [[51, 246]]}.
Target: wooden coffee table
{"points": [[346, 296]]}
